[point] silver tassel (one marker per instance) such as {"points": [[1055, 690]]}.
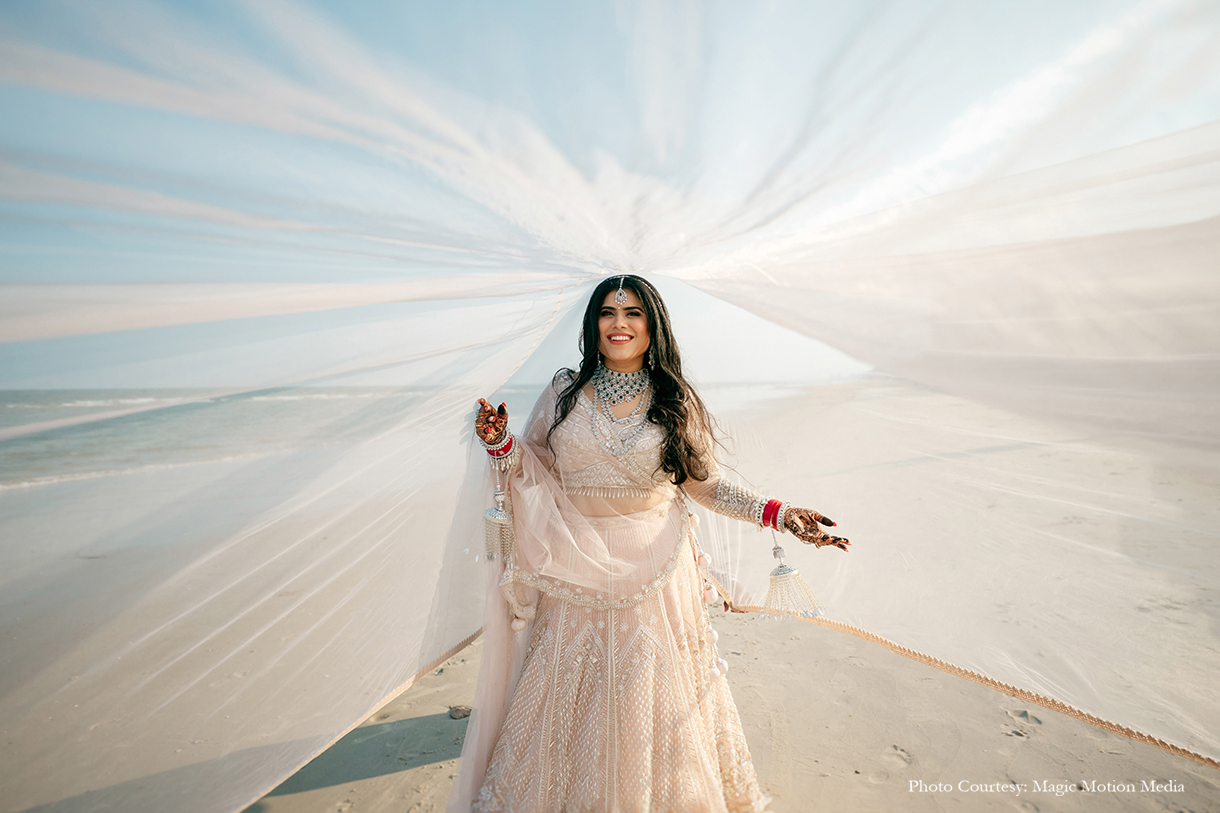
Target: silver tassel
{"points": [[498, 535], [788, 594]]}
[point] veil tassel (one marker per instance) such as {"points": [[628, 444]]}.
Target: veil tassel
{"points": [[498, 537], [789, 594]]}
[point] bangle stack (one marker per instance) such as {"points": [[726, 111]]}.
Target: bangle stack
{"points": [[771, 515], [740, 503], [504, 453]]}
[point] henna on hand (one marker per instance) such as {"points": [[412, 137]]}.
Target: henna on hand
{"points": [[803, 523], [490, 424]]}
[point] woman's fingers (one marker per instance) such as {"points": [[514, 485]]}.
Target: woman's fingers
{"points": [[807, 516], [489, 413], [822, 518], [814, 536], [488, 420], [497, 419]]}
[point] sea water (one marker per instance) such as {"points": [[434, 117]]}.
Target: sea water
{"points": [[91, 438]]}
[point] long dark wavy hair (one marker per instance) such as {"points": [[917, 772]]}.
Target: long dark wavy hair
{"points": [[676, 407]]}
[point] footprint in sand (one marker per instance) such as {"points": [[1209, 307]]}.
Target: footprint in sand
{"points": [[1023, 716], [897, 757]]}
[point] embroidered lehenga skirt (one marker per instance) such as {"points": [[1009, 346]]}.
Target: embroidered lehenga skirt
{"points": [[619, 706]]}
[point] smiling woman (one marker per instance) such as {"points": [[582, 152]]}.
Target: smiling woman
{"points": [[616, 699], [259, 258]]}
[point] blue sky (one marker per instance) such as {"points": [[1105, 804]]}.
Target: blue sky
{"points": [[359, 143]]}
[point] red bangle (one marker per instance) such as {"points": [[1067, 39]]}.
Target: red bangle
{"points": [[770, 512], [503, 450]]}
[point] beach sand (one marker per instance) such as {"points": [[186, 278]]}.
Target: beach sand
{"points": [[834, 723]]}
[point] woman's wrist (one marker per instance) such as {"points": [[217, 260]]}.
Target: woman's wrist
{"points": [[494, 444], [503, 454], [772, 514]]}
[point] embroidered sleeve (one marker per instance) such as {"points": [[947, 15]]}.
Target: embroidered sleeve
{"points": [[719, 494], [737, 502]]}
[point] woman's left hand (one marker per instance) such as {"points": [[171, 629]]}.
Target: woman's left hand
{"points": [[490, 423], [803, 524]]}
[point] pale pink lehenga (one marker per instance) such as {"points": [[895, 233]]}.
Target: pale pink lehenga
{"points": [[610, 699]]}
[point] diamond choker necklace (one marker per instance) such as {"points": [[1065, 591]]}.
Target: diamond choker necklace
{"points": [[616, 388]]}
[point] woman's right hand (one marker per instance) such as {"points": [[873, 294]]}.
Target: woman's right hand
{"points": [[803, 523], [490, 424]]}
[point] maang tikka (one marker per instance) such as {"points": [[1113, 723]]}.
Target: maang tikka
{"points": [[620, 297]]}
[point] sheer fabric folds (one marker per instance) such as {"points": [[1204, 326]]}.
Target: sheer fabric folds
{"points": [[258, 260]]}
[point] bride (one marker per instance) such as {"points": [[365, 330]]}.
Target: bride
{"points": [[601, 686]]}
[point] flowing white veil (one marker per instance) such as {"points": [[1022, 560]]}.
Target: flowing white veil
{"points": [[260, 258]]}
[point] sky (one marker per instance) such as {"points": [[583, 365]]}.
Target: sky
{"points": [[368, 143]]}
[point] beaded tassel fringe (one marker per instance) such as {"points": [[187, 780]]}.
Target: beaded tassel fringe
{"points": [[498, 535], [788, 594], [608, 491]]}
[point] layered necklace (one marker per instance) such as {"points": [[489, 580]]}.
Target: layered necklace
{"points": [[611, 388]]}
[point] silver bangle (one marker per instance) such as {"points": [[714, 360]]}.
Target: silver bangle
{"points": [[779, 517], [506, 462]]}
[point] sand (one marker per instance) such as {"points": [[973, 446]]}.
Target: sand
{"points": [[834, 723]]}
